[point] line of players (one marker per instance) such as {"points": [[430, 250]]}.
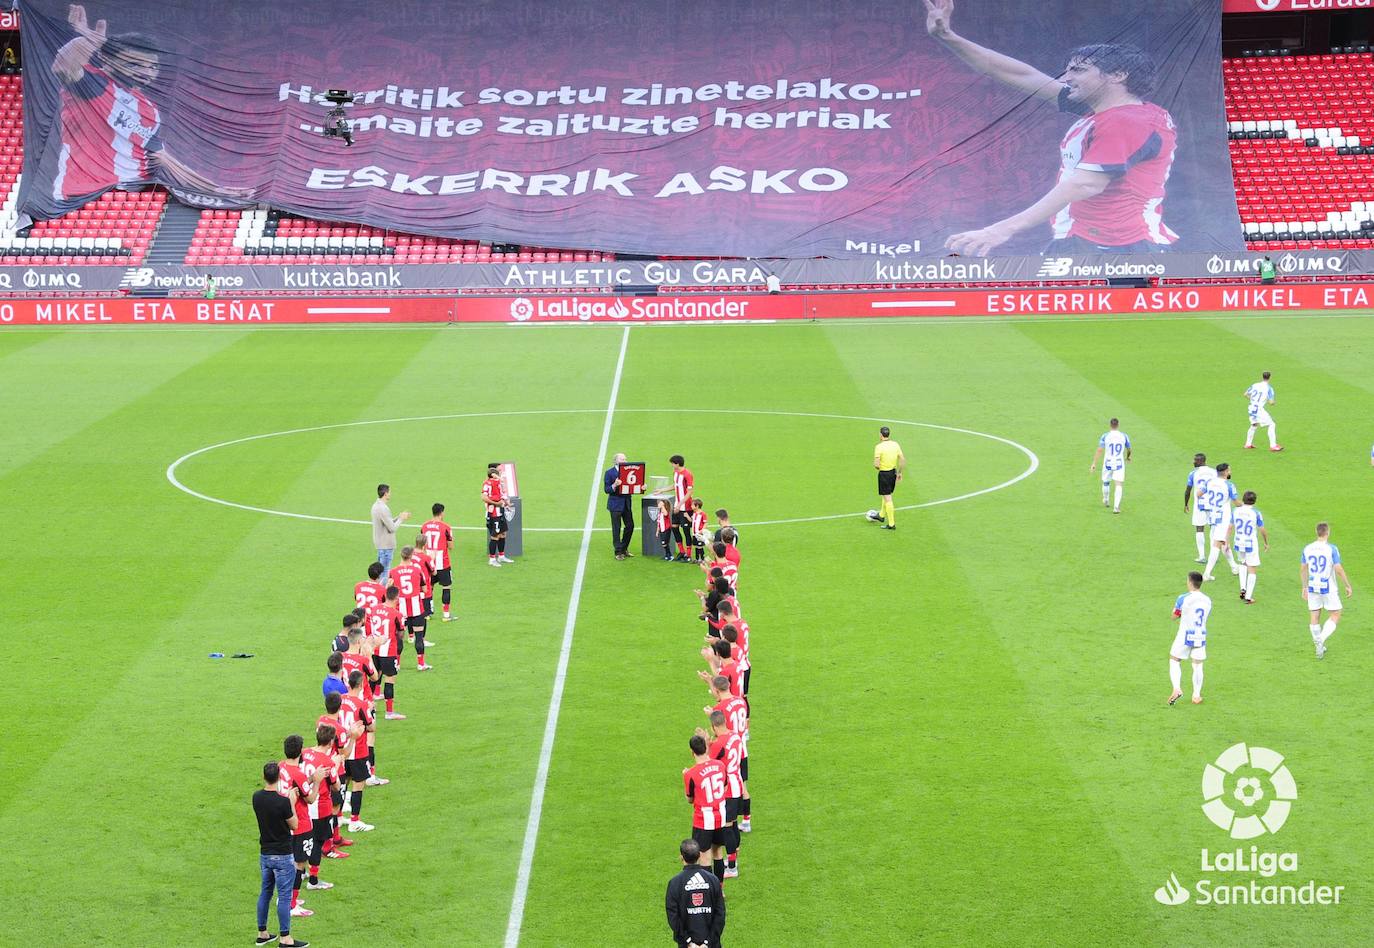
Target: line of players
{"points": [[1228, 525], [716, 783], [326, 780]]}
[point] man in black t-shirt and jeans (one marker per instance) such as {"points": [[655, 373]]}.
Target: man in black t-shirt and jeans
{"points": [[276, 824]]}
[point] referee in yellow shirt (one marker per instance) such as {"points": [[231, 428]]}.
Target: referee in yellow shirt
{"points": [[890, 463]]}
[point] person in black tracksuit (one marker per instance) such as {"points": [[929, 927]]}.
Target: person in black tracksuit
{"points": [[695, 902]]}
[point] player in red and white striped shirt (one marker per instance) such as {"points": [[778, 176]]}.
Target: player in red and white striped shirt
{"points": [[307, 794], [682, 506], [420, 558], [438, 541], [736, 713], [697, 526], [498, 517], [359, 658], [386, 653], [409, 579], [343, 748], [370, 593], [354, 711], [727, 569], [719, 663], [706, 785], [320, 759], [737, 634], [728, 747]]}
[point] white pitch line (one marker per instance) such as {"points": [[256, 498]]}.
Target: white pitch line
{"points": [[912, 304], [1033, 465], [541, 775]]}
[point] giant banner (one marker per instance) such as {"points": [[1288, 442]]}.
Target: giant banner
{"points": [[785, 128]]}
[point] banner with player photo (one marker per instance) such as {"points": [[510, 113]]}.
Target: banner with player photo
{"points": [[783, 128]]}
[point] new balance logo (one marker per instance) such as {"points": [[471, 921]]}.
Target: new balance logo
{"points": [[1056, 267], [696, 882], [137, 277]]}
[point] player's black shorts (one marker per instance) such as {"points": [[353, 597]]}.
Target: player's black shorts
{"points": [[386, 664], [732, 809], [707, 838], [744, 769], [497, 524], [744, 682], [887, 482], [302, 845], [321, 830], [416, 623], [357, 769], [443, 577], [336, 797]]}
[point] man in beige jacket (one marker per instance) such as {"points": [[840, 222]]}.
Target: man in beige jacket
{"points": [[384, 529]]}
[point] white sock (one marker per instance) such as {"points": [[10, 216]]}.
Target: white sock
{"points": [[1328, 630], [1200, 544], [1106, 489], [1250, 437], [1211, 561], [1176, 675], [1118, 495], [1244, 575], [1197, 679], [1250, 585], [1315, 630], [1273, 436]]}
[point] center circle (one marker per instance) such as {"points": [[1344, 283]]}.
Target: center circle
{"points": [[1032, 461]]}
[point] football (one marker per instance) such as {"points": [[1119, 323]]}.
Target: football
{"points": [[872, 515]]}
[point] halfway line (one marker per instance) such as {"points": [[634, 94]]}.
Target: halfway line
{"points": [[541, 776]]}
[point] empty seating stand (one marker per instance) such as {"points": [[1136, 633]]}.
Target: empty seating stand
{"points": [[1301, 133], [225, 238]]}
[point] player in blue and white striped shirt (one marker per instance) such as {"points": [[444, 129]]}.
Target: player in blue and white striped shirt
{"points": [[1190, 643], [1247, 532], [1221, 500], [1260, 396], [1321, 566], [1114, 450], [1196, 489]]}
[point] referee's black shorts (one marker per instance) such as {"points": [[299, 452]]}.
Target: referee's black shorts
{"points": [[887, 482]]}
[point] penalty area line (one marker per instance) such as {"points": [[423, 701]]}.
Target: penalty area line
{"points": [[541, 775]]}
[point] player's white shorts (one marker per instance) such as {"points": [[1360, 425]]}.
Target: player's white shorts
{"points": [[1119, 475], [1247, 559], [1201, 517], [1220, 532], [1184, 652], [1261, 417], [1331, 601]]}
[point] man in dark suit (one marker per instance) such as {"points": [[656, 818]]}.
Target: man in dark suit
{"points": [[621, 509]]}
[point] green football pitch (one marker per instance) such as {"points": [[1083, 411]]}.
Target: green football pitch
{"points": [[960, 733]]}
